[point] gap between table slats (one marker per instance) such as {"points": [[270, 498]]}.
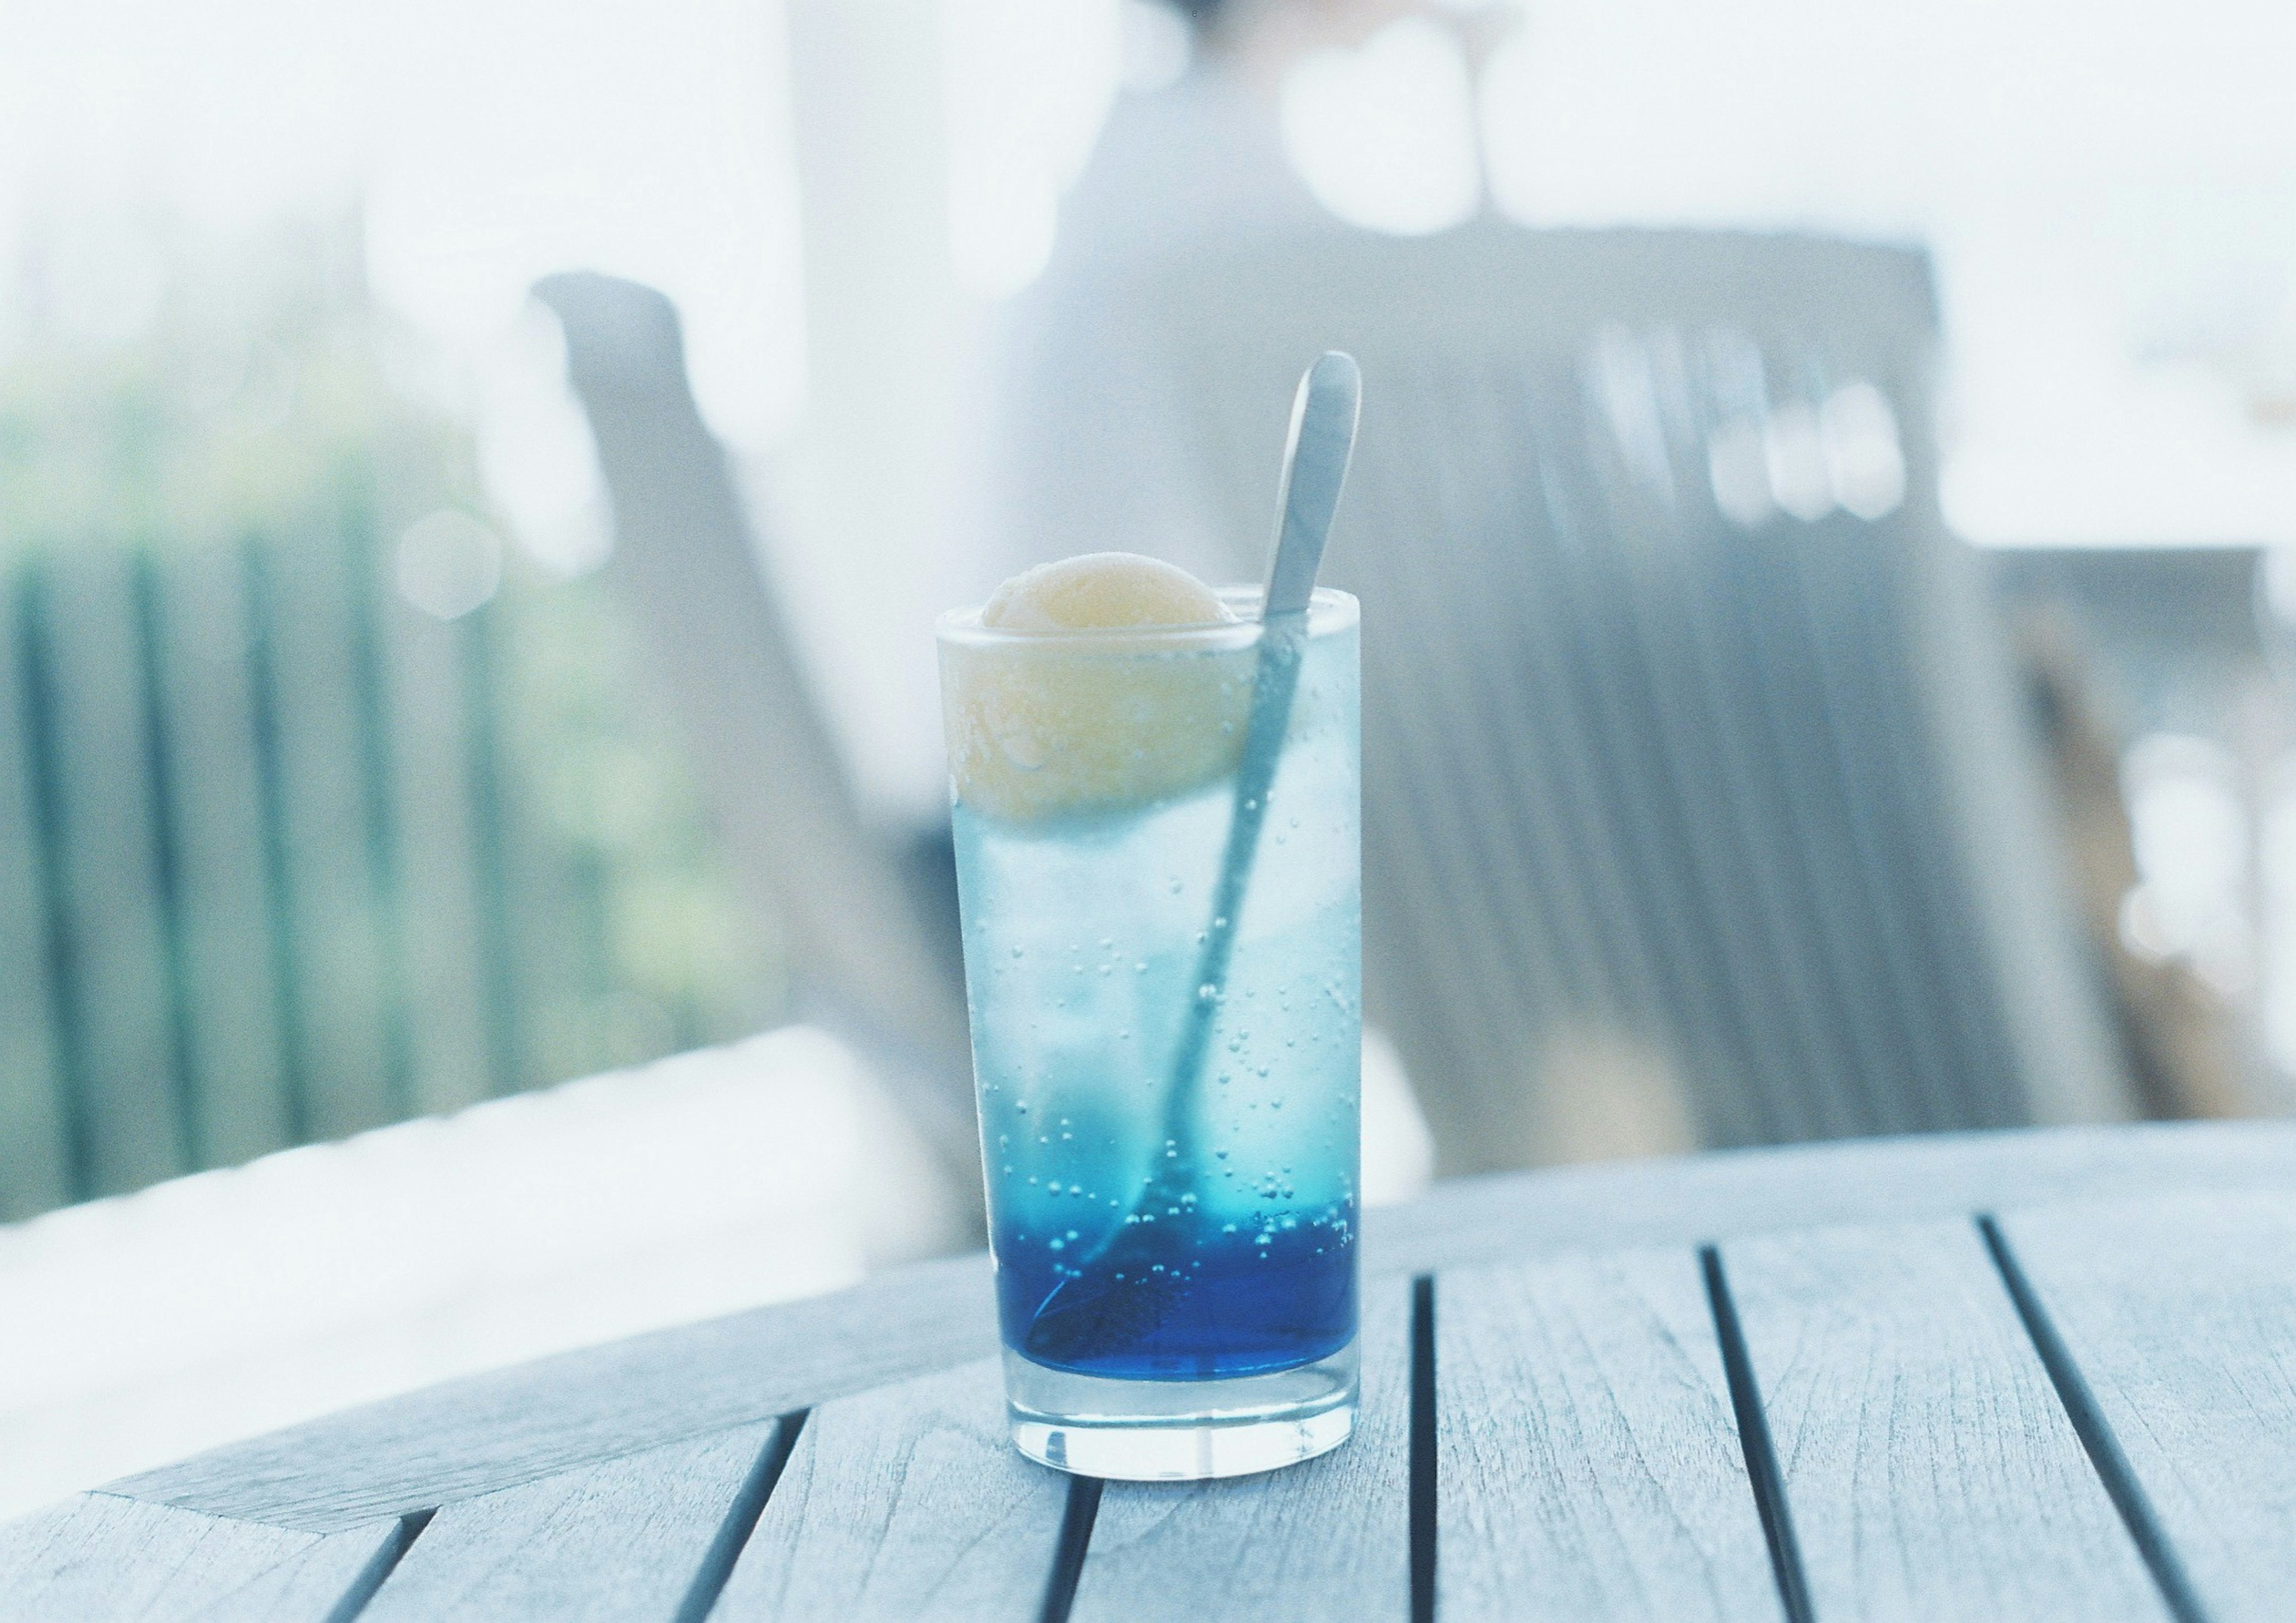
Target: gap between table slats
{"points": [[2096, 1432], [1077, 1515], [1754, 1440], [379, 1571], [471, 1578], [740, 1522]]}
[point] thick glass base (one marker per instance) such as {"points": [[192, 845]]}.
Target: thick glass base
{"points": [[1180, 1430]]}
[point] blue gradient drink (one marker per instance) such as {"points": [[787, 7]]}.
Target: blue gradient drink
{"points": [[1171, 1161]]}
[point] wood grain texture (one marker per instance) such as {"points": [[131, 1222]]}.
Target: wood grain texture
{"points": [[108, 1559], [1586, 1460], [908, 1502], [1690, 1199], [2181, 1317], [474, 1436], [1931, 1469], [614, 1541], [495, 1431], [1327, 1539]]}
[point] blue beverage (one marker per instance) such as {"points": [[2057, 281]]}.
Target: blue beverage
{"points": [[1193, 1227]]}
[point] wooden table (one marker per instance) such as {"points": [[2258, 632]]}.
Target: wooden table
{"points": [[2046, 1375]]}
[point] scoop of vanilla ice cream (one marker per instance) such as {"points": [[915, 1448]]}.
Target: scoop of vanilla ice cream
{"points": [[1102, 592], [1059, 716]]}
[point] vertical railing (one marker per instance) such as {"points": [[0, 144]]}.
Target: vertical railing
{"points": [[279, 860]]}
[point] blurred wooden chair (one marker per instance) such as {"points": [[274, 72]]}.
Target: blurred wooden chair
{"points": [[1698, 805], [870, 921]]}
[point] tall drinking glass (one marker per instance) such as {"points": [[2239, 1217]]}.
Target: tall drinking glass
{"points": [[1172, 1141]]}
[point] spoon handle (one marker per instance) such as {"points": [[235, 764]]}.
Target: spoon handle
{"points": [[1315, 455]]}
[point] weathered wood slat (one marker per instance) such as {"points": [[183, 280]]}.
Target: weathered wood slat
{"points": [[907, 1502], [103, 1559], [2180, 1316], [623, 1539], [1712, 1196], [1931, 1469], [494, 1431], [1588, 1464], [1327, 1539]]}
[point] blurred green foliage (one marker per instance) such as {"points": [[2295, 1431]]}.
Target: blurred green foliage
{"points": [[255, 412]]}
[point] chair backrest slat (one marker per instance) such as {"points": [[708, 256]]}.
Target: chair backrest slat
{"points": [[687, 566]]}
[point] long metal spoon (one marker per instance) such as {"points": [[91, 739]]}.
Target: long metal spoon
{"points": [[1119, 1293]]}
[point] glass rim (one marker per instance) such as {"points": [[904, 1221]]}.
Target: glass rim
{"points": [[1330, 610]]}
